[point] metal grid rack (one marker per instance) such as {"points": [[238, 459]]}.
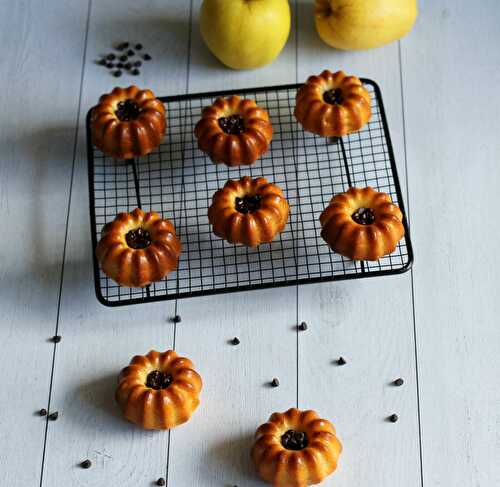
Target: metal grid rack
{"points": [[178, 181]]}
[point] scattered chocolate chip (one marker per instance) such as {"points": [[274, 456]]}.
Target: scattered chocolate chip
{"points": [[123, 46], [119, 65], [138, 46], [160, 481], [130, 52], [101, 62], [128, 65], [86, 464], [110, 65], [303, 326], [123, 58], [177, 319], [117, 73], [146, 57], [333, 97], [234, 124], [138, 238], [341, 361], [111, 57], [235, 341], [42, 412], [56, 338], [393, 418], [138, 64], [399, 382], [135, 72], [53, 416], [275, 382]]}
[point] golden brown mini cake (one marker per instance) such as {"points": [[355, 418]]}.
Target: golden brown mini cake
{"points": [[296, 449], [159, 390], [128, 123], [362, 224], [138, 248], [234, 131], [248, 211], [332, 104]]}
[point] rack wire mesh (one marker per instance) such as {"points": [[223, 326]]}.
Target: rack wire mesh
{"points": [[178, 181]]}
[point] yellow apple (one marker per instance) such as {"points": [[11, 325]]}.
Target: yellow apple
{"points": [[245, 34], [363, 24]]}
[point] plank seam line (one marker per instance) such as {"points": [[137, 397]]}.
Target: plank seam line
{"points": [[176, 306], [411, 271], [296, 3], [61, 279]]}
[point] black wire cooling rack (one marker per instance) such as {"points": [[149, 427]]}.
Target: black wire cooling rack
{"points": [[178, 181]]}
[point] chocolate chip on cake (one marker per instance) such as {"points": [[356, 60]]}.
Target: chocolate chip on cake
{"points": [[294, 440]]}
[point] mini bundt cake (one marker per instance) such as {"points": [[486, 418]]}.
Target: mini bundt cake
{"points": [[128, 123], [159, 390], [138, 248], [248, 211], [362, 224], [332, 104], [295, 449], [234, 131]]}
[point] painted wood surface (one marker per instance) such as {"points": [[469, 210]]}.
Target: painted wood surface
{"points": [[40, 77], [447, 304], [453, 152]]}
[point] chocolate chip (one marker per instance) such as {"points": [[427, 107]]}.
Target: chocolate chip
{"points": [[247, 204], [364, 216], [56, 338], [294, 440], [130, 52], [123, 46], [117, 73], [158, 380], [111, 57], [119, 65], [42, 412], [135, 72], [86, 464], [275, 382], [333, 97], [341, 361], [235, 341], [399, 382], [177, 319], [128, 65], [146, 57], [139, 238], [138, 47], [138, 64], [303, 326], [393, 418], [101, 62], [123, 58], [233, 124], [53, 416], [160, 481]]}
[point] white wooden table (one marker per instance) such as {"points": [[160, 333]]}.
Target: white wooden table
{"points": [[436, 326]]}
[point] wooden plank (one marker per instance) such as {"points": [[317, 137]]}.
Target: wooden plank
{"points": [[450, 71], [368, 322], [213, 448], [40, 84], [98, 341]]}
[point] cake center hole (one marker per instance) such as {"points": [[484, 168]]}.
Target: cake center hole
{"points": [[127, 110], [294, 440], [233, 125], [248, 204], [333, 97], [138, 238], [364, 216], [158, 380]]}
